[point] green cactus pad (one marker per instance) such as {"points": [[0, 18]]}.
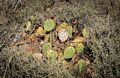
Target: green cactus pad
{"points": [[79, 47], [69, 30], [80, 66], [46, 47], [69, 52], [49, 24], [85, 33], [51, 54]]}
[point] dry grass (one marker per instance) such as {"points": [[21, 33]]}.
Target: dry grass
{"points": [[24, 65], [105, 46], [102, 17]]}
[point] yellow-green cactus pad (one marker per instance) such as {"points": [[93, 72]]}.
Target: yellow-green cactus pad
{"points": [[79, 47], [79, 40], [49, 24], [80, 66], [69, 52], [46, 46], [51, 54], [69, 30], [85, 33]]}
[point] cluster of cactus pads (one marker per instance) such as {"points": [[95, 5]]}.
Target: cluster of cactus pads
{"points": [[59, 39]]}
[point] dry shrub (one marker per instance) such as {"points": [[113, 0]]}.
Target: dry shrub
{"points": [[102, 17], [105, 45], [22, 65]]}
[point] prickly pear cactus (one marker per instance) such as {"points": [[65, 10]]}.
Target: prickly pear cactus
{"points": [[49, 24], [69, 30], [85, 33], [69, 52], [80, 66], [51, 54], [63, 25], [79, 47], [79, 40], [46, 47]]}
